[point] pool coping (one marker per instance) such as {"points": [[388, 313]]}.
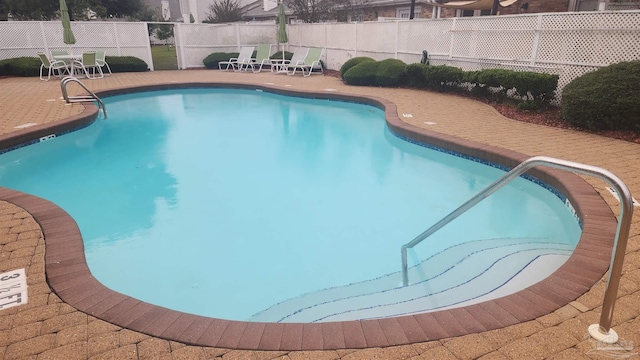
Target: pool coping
{"points": [[69, 276]]}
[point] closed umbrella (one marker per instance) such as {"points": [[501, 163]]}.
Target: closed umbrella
{"points": [[282, 28], [67, 34]]}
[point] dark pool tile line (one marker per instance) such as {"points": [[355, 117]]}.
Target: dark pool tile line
{"points": [[74, 284], [29, 136]]}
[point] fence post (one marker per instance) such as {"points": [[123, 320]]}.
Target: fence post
{"points": [[44, 39], [536, 41], [395, 53], [238, 36], [182, 45], [117, 38], [356, 42], [149, 53], [452, 38]]}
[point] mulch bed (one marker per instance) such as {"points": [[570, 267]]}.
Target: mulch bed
{"points": [[547, 117]]}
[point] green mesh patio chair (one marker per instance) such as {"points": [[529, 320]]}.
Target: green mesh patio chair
{"points": [[100, 59], [310, 65], [262, 57], [88, 62], [55, 67]]}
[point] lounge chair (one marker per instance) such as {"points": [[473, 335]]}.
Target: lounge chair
{"points": [[262, 57], [100, 60], [87, 62], [281, 66], [55, 67], [311, 63], [244, 57]]}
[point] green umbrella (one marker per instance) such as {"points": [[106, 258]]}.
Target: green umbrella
{"points": [[66, 24], [282, 28]]}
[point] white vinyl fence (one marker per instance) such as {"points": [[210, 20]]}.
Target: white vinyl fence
{"points": [[26, 38], [567, 44]]}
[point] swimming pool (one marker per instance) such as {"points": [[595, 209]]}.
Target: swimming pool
{"points": [[321, 158]]}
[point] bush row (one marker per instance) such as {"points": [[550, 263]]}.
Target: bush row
{"points": [[30, 66], [494, 83], [605, 99]]}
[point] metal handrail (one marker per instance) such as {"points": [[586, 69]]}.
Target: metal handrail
{"points": [[600, 331], [80, 98]]}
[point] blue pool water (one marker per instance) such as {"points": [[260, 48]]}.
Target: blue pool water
{"points": [[247, 205]]}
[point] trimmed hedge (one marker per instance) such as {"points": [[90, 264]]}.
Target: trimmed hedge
{"points": [[362, 74], [30, 66], [442, 77], [389, 72], [605, 99], [125, 64], [278, 55], [21, 66], [212, 60], [353, 62]]}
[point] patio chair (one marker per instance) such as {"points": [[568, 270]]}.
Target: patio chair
{"points": [[244, 57], [281, 66], [55, 53], [311, 63], [87, 62], [262, 57], [100, 60], [55, 67]]}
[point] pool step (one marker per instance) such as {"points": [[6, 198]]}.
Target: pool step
{"points": [[459, 275]]}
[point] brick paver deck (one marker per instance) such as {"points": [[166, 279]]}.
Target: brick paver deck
{"points": [[48, 328]]}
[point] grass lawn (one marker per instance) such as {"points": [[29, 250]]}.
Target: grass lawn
{"points": [[164, 58]]}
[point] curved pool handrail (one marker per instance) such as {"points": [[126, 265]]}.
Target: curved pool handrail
{"points": [[601, 331], [80, 98]]}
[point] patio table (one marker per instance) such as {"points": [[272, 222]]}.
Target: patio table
{"points": [[72, 57]]}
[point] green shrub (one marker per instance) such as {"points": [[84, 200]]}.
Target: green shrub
{"points": [[416, 76], [126, 64], [442, 77], [529, 105], [535, 86], [390, 72], [22, 66], [212, 60], [353, 62], [278, 55], [605, 99], [362, 74]]}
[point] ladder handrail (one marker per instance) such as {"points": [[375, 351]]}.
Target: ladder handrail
{"points": [[80, 98], [619, 243]]}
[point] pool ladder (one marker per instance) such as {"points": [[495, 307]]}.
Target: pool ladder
{"points": [[601, 331], [81, 98]]}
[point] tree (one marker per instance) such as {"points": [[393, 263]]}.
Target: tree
{"points": [[49, 9], [311, 11], [164, 32], [222, 11], [351, 10]]}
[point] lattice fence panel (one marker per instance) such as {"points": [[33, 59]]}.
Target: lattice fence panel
{"points": [[498, 38], [377, 37], [254, 34], [19, 39], [341, 44], [341, 36], [590, 39], [309, 35], [431, 35]]}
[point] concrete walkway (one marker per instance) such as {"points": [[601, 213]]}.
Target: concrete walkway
{"points": [[47, 328]]}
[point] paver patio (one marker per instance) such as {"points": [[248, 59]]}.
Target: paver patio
{"points": [[47, 328]]}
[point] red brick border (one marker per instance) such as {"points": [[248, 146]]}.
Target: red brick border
{"points": [[69, 276]]}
